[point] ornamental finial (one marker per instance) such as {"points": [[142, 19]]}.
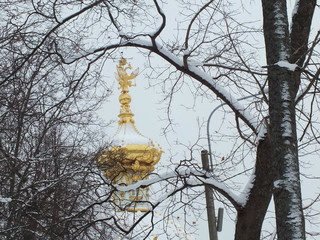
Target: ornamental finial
{"points": [[123, 78], [125, 81]]}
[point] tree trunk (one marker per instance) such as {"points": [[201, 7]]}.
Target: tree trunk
{"points": [[251, 216], [287, 189], [282, 92]]}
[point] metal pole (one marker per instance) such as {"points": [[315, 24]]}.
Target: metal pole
{"points": [[208, 133], [209, 200], [208, 190], [208, 124]]}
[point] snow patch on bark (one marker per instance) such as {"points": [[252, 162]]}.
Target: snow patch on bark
{"points": [[244, 196], [285, 64], [5, 200], [290, 178], [286, 119], [262, 132], [288, 182], [295, 8], [280, 30]]}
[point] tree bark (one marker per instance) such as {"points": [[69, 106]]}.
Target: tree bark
{"points": [[251, 216], [283, 85]]}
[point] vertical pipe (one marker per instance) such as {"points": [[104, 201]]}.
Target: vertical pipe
{"points": [[220, 219]]}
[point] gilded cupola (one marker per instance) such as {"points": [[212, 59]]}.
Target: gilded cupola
{"points": [[131, 156]]}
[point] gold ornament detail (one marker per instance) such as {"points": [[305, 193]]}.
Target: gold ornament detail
{"points": [[134, 157], [125, 81], [135, 160]]}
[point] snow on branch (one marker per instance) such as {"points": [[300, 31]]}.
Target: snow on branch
{"points": [[191, 70], [289, 66], [192, 177], [163, 23]]}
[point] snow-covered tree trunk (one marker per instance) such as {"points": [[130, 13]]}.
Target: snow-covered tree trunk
{"points": [[283, 78], [251, 216], [287, 191]]}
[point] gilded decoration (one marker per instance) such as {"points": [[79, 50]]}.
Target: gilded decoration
{"points": [[134, 156]]}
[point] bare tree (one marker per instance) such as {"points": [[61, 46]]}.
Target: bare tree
{"points": [[214, 48], [49, 138]]}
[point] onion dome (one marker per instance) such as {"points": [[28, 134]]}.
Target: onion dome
{"points": [[132, 156]]}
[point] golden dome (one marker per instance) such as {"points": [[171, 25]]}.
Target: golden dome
{"points": [[132, 154]]}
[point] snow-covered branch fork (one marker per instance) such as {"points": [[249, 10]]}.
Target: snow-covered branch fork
{"points": [[188, 177]]}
